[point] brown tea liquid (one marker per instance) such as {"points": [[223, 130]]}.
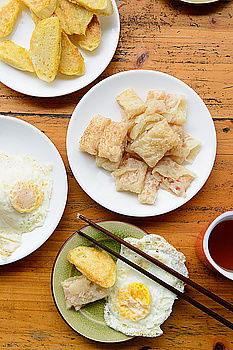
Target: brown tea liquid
{"points": [[221, 244]]}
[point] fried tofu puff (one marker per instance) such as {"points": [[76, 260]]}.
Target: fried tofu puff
{"points": [[96, 265]]}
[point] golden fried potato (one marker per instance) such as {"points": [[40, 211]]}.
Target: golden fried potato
{"points": [[91, 40], [72, 62], [42, 8], [60, 14], [8, 16], [96, 265], [100, 7], [45, 48], [77, 18], [35, 18], [15, 55]]}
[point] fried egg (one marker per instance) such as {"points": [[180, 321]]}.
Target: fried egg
{"points": [[136, 305], [25, 192]]}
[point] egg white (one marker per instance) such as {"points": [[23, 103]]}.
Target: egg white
{"points": [[161, 298], [13, 223]]}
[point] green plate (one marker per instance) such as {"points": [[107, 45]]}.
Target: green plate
{"points": [[199, 1], [89, 321]]}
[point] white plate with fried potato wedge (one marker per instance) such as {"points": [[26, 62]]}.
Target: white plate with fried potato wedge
{"points": [[69, 78], [99, 184]]}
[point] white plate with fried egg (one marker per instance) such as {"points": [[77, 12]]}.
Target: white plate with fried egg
{"points": [[101, 99], [33, 189]]}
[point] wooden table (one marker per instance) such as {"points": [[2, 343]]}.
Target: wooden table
{"points": [[195, 45]]}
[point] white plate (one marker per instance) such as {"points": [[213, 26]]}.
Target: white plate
{"points": [[19, 138], [96, 62], [98, 183]]}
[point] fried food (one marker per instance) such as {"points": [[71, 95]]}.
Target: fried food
{"points": [[112, 141], [96, 265], [60, 14], [45, 48], [132, 104], [15, 55], [173, 177], [151, 145], [145, 150], [35, 18], [8, 16], [42, 8], [185, 151], [79, 291], [150, 190], [130, 175], [76, 17], [106, 164], [91, 40], [144, 123], [173, 106], [90, 140], [101, 7], [72, 62]]}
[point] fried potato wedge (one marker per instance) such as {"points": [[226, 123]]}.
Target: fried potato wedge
{"points": [[35, 18], [91, 40], [15, 55], [72, 62], [60, 14], [42, 8], [77, 18], [96, 265], [100, 7], [8, 16], [45, 48]]}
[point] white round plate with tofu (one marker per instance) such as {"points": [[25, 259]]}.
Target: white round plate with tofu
{"points": [[95, 62], [19, 138], [101, 99]]}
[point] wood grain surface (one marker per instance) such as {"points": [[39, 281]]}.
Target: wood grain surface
{"points": [[193, 43]]}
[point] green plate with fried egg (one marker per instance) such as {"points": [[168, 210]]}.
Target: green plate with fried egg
{"points": [[89, 320]]}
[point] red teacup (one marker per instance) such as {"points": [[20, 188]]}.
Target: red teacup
{"points": [[214, 245]]}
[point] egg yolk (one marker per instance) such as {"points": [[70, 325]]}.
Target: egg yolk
{"points": [[26, 196], [134, 301]]}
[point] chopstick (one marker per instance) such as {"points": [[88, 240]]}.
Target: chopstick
{"points": [[161, 282], [175, 273]]}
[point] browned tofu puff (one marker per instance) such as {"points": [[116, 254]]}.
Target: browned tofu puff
{"points": [[131, 104], [96, 265], [112, 141], [130, 176], [151, 145], [89, 142], [8, 16], [150, 189], [72, 62]]}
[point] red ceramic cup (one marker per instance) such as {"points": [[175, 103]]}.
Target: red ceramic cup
{"points": [[202, 245]]}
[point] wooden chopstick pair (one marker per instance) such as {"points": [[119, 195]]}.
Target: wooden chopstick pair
{"points": [[186, 280]]}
